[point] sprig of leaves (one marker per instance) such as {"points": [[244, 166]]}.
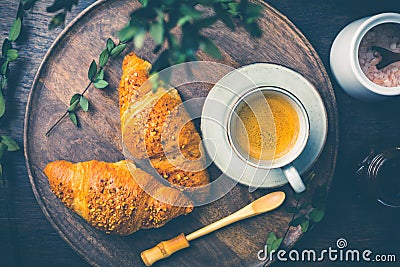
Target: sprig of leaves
{"points": [[61, 8], [305, 213], [6, 144], [161, 18], [96, 78], [309, 213], [273, 243], [9, 54]]}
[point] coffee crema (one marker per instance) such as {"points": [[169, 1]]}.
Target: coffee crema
{"points": [[266, 133]]}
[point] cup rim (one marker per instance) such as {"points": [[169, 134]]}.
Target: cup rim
{"points": [[284, 160], [365, 27]]}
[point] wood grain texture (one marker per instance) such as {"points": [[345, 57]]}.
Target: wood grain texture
{"points": [[99, 137], [26, 237]]}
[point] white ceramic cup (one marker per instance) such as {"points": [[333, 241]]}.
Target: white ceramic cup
{"points": [[344, 60], [285, 161]]}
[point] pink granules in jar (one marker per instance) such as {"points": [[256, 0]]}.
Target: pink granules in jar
{"points": [[385, 35]]}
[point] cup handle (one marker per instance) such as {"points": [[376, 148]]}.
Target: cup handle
{"points": [[293, 176]]}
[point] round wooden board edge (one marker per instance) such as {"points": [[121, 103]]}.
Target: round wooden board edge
{"points": [[29, 104], [96, 4]]}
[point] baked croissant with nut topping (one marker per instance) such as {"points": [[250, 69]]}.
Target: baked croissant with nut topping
{"points": [[108, 195], [156, 126]]}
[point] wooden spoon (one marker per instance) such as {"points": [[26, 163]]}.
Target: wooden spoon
{"points": [[165, 249]]}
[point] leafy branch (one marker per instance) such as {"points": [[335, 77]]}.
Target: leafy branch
{"points": [[96, 78], [9, 54], [60, 7], [161, 19], [305, 213]]}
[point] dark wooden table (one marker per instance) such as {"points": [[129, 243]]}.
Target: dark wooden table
{"points": [[27, 239]]}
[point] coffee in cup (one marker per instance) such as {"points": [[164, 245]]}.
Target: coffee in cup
{"points": [[269, 128]]}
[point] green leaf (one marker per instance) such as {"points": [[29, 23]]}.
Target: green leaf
{"points": [[4, 67], [233, 8], [205, 23], [28, 4], [100, 75], [316, 215], [57, 20], [127, 33], [57, 5], [161, 62], [304, 225], [224, 16], [73, 118], [118, 50], [254, 29], [12, 54], [190, 11], [15, 30], [157, 33], [103, 58], [20, 11], [84, 103], [75, 98], [10, 143], [138, 40], [144, 2], [3, 148], [2, 104], [309, 178], [210, 48], [73, 106], [3, 82], [271, 238], [100, 84], [6, 46], [157, 49], [92, 70], [183, 20], [110, 45], [298, 220], [276, 244]]}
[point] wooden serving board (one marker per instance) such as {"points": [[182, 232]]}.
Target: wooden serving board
{"points": [[63, 73]]}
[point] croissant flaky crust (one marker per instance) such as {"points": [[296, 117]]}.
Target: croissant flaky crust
{"points": [[156, 126], [109, 198]]}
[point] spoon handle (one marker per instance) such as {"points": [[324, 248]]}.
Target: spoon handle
{"points": [[165, 249], [388, 56]]}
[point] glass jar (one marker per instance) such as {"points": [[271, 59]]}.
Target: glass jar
{"points": [[379, 175]]}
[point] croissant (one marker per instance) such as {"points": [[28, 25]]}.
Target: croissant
{"points": [[119, 197], [156, 126], [109, 197]]}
